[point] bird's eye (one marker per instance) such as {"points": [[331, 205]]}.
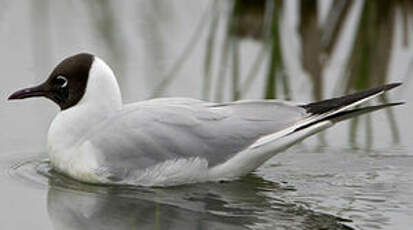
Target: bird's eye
{"points": [[61, 81]]}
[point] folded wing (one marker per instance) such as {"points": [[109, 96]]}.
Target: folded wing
{"points": [[150, 132]]}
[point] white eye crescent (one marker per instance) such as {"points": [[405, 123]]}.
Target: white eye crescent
{"points": [[64, 79]]}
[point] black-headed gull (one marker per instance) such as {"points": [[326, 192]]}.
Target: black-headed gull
{"points": [[169, 141]]}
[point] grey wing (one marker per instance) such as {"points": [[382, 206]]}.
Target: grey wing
{"points": [[150, 132]]}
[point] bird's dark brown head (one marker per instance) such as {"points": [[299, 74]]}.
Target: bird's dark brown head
{"points": [[66, 84]]}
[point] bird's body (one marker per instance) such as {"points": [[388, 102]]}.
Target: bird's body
{"points": [[168, 141], [145, 135]]}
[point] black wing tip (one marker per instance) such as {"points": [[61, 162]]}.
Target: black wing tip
{"points": [[391, 86], [348, 114], [396, 103], [320, 107]]}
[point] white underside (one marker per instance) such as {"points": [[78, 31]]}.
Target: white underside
{"points": [[171, 172]]}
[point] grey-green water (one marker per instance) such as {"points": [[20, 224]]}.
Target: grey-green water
{"points": [[356, 175]]}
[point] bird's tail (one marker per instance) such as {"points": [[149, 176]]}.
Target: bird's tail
{"points": [[324, 114]]}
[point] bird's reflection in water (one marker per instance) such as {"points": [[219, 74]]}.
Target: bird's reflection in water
{"points": [[242, 204]]}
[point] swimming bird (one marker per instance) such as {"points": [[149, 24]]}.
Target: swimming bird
{"points": [[95, 138]]}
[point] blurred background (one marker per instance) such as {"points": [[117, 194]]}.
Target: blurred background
{"points": [[230, 50], [216, 50]]}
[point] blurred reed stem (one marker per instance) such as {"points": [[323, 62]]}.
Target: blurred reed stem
{"points": [[334, 23], [235, 69], [206, 87], [194, 39], [275, 63], [252, 73], [222, 68]]}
